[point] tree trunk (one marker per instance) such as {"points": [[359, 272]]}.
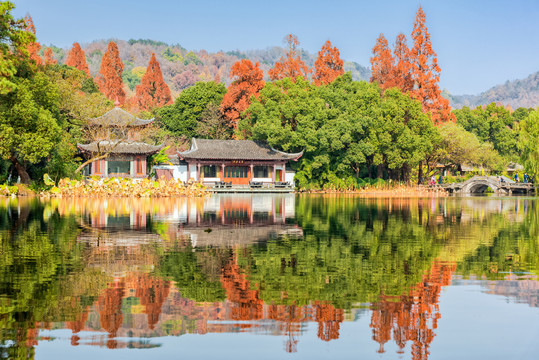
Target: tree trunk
{"points": [[21, 170], [420, 173], [90, 161], [379, 171]]}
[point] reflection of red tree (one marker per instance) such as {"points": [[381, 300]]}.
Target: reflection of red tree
{"points": [[247, 304], [77, 325], [110, 310], [290, 318], [329, 321], [152, 292], [412, 317]]}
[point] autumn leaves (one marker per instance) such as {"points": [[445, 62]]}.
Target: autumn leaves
{"points": [[248, 78], [414, 71], [151, 93]]}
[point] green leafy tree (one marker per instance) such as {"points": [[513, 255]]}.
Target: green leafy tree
{"points": [[494, 124], [28, 128], [182, 117], [344, 129], [529, 143], [13, 41]]}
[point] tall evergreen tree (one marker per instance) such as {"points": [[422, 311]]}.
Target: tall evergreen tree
{"points": [[153, 91], [328, 65], [382, 63], [77, 59], [402, 70], [48, 58], [248, 81], [33, 47], [292, 66], [426, 73], [109, 78]]}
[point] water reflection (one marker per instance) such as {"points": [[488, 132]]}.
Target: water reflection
{"points": [[120, 273]]}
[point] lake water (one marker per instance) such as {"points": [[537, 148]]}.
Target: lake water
{"points": [[270, 277]]}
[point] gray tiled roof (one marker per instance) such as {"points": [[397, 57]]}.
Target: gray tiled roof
{"points": [[235, 150], [119, 117], [116, 147]]}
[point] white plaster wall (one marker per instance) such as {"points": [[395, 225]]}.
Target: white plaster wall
{"points": [[289, 176], [179, 172]]}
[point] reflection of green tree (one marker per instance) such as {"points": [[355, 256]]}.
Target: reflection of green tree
{"points": [[185, 267], [350, 253], [35, 256], [514, 248]]}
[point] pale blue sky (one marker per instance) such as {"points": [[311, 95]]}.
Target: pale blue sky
{"points": [[480, 43]]}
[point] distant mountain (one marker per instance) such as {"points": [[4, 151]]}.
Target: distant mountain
{"points": [[181, 67], [516, 93]]}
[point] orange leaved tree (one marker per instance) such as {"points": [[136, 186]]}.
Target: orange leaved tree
{"points": [[77, 59], [426, 73], [152, 91], [292, 66], [109, 78], [382, 64], [248, 81], [328, 65], [48, 58], [402, 70], [33, 47]]}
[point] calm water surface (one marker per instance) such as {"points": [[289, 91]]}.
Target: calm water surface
{"points": [[269, 277]]}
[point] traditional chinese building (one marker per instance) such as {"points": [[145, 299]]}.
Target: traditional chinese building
{"points": [[117, 139], [236, 162]]}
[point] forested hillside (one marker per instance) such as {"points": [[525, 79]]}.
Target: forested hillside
{"points": [[181, 67], [516, 93]]}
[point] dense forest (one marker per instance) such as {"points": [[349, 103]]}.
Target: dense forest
{"points": [[397, 126]]}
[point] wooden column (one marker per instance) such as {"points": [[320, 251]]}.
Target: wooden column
{"points": [[252, 172], [222, 172], [274, 171], [198, 172]]}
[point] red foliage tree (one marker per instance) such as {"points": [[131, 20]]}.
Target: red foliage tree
{"points": [[382, 64], [34, 47], [426, 73], [152, 91], [292, 66], [48, 58], [109, 78], [77, 59], [328, 65], [249, 79], [402, 70]]}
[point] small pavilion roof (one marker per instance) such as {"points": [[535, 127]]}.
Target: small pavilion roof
{"points": [[235, 150], [120, 147], [119, 117]]}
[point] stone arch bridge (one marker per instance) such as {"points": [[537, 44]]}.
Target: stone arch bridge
{"points": [[479, 184]]}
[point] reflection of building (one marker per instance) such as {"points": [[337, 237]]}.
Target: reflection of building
{"points": [[117, 133], [237, 162], [224, 220]]}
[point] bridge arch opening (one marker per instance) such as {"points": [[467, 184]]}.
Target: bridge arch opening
{"points": [[480, 188]]}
